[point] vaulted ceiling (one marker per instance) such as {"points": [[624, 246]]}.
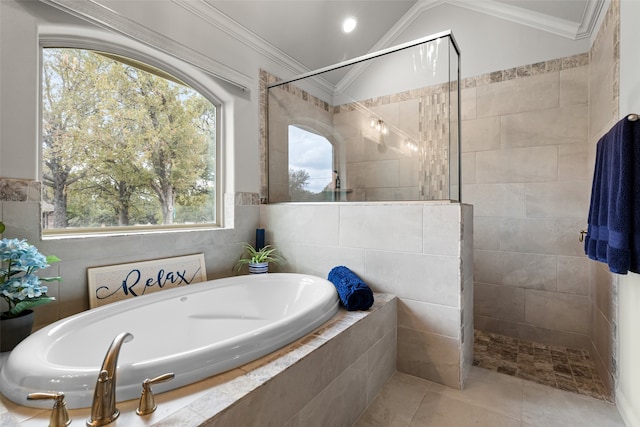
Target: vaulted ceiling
{"points": [[309, 31]]}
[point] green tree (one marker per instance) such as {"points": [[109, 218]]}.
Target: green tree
{"points": [[69, 123], [139, 143]]}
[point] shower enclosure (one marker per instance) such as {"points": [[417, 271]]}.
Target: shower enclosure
{"points": [[381, 127]]}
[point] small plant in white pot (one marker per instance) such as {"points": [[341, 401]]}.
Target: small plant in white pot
{"points": [[258, 259]]}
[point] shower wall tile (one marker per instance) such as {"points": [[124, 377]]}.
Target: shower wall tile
{"points": [[485, 233], [429, 356], [426, 317], [468, 231], [441, 230], [382, 173], [395, 228], [557, 311], [565, 125], [298, 224], [515, 165], [557, 199], [603, 341], [574, 86], [518, 95], [468, 103], [427, 278], [487, 266], [407, 173], [573, 275], [573, 162], [529, 332], [531, 271], [497, 200], [502, 302], [601, 108], [468, 169], [603, 293], [481, 134], [555, 236], [319, 260]]}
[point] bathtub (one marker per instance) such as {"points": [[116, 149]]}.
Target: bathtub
{"points": [[195, 331]]}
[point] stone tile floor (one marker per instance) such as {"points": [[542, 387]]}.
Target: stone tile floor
{"points": [[564, 368], [489, 399]]}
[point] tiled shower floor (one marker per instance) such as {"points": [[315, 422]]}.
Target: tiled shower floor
{"points": [[564, 368]]}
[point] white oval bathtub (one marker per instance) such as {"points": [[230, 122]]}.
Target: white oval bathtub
{"points": [[196, 331]]}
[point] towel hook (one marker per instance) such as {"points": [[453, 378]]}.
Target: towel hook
{"points": [[582, 234], [633, 117]]}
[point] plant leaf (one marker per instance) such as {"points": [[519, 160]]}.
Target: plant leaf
{"points": [[28, 304]]}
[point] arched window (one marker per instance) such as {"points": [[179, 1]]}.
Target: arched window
{"points": [[124, 144], [310, 165]]}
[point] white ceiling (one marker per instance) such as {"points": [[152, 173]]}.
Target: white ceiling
{"points": [[309, 31]]}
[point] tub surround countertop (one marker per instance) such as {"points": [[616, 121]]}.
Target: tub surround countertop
{"points": [[197, 403]]}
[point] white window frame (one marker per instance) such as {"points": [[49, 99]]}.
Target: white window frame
{"points": [[74, 38]]}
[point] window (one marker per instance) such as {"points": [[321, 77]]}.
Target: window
{"points": [[123, 145], [310, 165]]}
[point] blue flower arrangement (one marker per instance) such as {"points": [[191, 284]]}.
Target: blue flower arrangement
{"points": [[19, 286]]}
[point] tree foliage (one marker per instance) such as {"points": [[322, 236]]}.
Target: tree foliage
{"points": [[298, 183], [122, 145]]}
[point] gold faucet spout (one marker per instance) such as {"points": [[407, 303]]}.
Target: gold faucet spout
{"points": [[103, 407]]}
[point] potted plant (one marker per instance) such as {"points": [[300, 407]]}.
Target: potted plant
{"points": [[20, 288], [258, 259]]}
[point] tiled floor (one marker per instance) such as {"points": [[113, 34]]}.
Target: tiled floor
{"points": [[489, 399], [564, 368]]}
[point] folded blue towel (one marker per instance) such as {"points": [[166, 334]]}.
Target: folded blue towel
{"points": [[614, 213], [353, 292]]}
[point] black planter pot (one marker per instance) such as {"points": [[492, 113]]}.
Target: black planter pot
{"points": [[15, 329]]}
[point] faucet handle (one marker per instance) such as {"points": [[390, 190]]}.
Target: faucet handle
{"points": [[147, 403], [59, 414]]}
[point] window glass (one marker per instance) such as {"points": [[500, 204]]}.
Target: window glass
{"points": [[123, 145], [311, 173]]}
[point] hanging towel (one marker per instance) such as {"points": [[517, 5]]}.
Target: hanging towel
{"points": [[613, 234], [353, 292]]}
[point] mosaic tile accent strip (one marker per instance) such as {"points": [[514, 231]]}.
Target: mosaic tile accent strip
{"points": [[19, 190], [247, 199], [560, 367]]}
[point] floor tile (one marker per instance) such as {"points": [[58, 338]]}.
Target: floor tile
{"points": [[396, 403], [549, 407], [560, 367], [440, 410], [498, 393]]}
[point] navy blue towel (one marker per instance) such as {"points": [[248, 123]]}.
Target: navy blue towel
{"points": [[613, 234], [353, 292]]}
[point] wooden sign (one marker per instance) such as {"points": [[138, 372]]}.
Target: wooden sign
{"points": [[118, 282]]}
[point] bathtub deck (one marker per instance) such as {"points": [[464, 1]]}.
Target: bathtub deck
{"points": [[291, 386]]}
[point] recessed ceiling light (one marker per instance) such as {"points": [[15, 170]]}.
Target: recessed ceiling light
{"points": [[349, 24]]}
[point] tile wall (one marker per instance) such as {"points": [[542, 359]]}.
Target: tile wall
{"points": [[418, 251], [524, 168], [410, 162], [603, 114]]}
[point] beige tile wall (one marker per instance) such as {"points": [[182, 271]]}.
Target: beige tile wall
{"points": [[372, 166], [418, 251], [525, 145], [603, 113]]}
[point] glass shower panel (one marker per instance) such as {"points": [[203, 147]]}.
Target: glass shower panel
{"points": [[391, 120]]}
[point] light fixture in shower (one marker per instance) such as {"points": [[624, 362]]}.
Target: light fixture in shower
{"points": [[349, 24], [379, 125]]}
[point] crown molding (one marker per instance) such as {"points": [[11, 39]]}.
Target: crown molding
{"points": [[590, 19], [232, 28], [561, 27], [97, 14]]}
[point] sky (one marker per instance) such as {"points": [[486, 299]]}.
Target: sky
{"points": [[313, 153]]}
